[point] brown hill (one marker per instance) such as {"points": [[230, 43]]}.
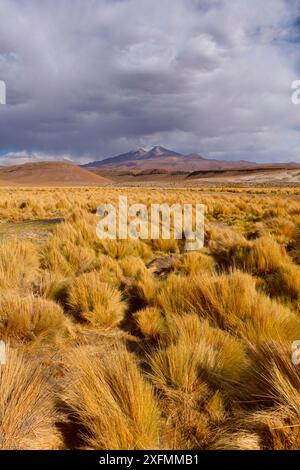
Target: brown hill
{"points": [[54, 173]]}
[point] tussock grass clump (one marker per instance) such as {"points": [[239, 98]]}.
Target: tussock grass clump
{"points": [[189, 371], [168, 246], [270, 392], [121, 249], [111, 401], [236, 441], [285, 283], [30, 318], [53, 260], [67, 258], [150, 322], [268, 320], [132, 266], [19, 264], [171, 295], [194, 263], [250, 314], [223, 243], [95, 301], [110, 264], [284, 229], [260, 257], [109, 270], [209, 295], [175, 367], [263, 256], [27, 410], [52, 286], [219, 235], [67, 232], [192, 351], [278, 428], [79, 229], [222, 356], [271, 379], [143, 292]]}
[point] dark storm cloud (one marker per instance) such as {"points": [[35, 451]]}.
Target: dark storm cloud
{"points": [[91, 78]]}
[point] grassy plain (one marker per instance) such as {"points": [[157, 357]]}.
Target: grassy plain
{"points": [[138, 344]]}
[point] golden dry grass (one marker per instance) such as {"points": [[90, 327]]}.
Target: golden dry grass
{"points": [[32, 319], [27, 406], [140, 345], [95, 301], [111, 401]]}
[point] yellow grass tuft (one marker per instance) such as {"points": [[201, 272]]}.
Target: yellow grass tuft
{"points": [[132, 266], [98, 303], [263, 256], [250, 314], [30, 318], [121, 249], [193, 351], [194, 263], [27, 409], [236, 441], [285, 283], [19, 264], [111, 401], [150, 322]]}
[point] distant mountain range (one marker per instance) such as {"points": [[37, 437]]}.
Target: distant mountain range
{"points": [[160, 158], [158, 164]]}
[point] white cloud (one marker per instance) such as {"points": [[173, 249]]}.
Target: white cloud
{"points": [[18, 158]]}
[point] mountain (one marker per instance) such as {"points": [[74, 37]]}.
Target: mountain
{"points": [[161, 152], [160, 158], [134, 158], [49, 173]]}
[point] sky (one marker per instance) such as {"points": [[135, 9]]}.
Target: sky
{"points": [[89, 79]]}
